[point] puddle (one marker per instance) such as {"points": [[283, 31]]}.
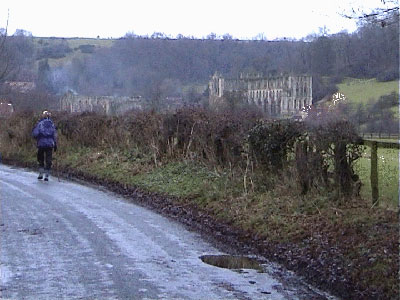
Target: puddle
{"points": [[232, 262]]}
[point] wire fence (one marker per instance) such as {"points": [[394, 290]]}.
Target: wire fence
{"points": [[374, 145], [380, 135]]}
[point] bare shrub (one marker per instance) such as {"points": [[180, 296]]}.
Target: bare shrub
{"points": [[216, 138], [270, 142], [145, 132], [321, 151], [15, 132], [32, 100], [85, 129], [334, 142]]}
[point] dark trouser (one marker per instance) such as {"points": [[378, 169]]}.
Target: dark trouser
{"points": [[42, 154]]}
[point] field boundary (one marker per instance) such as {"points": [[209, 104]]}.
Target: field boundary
{"points": [[380, 135], [374, 145]]}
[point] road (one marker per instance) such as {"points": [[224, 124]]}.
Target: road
{"points": [[64, 240]]}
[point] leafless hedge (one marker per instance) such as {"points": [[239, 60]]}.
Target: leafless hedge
{"points": [[319, 153]]}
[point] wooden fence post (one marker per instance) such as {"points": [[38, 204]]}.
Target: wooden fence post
{"points": [[374, 172]]}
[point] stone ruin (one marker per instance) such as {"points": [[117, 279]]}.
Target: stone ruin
{"points": [[107, 105], [277, 96], [6, 108]]}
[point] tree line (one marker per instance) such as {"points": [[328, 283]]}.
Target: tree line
{"points": [[162, 66]]}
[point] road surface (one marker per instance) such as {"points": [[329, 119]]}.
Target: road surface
{"points": [[64, 240]]}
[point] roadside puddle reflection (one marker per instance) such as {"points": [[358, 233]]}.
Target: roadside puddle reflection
{"points": [[232, 262]]}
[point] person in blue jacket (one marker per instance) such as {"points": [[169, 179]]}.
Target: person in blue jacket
{"points": [[45, 133]]}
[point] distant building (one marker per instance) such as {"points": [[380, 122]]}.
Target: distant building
{"points": [[19, 86], [172, 103], [107, 105], [279, 96], [6, 108]]}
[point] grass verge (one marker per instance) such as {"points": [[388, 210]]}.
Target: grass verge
{"points": [[362, 90], [345, 248], [388, 176]]}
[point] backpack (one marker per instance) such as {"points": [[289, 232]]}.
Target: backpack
{"points": [[46, 128]]}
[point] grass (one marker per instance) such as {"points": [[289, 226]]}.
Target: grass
{"points": [[220, 193], [181, 179], [74, 44], [388, 176], [381, 139], [355, 233], [311, 225], [343, 240], [362, 90]]}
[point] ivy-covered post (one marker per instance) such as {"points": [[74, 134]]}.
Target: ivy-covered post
{"points": [[342, 169], [374, 172]]}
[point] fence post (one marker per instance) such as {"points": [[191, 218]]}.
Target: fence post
{"points": [[374, 172]]}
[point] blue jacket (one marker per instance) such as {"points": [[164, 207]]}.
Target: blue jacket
{"points": [[45, 133]]}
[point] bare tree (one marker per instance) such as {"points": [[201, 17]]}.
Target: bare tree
{"points": [[4, 54], [387, 14]]}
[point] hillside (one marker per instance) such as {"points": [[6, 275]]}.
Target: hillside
{"points": [[69, 48], [156, 65], [371, 93], [362, 90]]}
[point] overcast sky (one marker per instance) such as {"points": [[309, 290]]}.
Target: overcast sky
{"points": [[243, 19]]}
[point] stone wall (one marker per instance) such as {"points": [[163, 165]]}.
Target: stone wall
{"points": [[102, 104], [284, 95]]}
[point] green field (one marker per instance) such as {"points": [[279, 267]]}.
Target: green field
{"points": [[362, 90], [388, 176], [74, 44]]}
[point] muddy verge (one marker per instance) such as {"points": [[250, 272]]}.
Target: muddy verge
{"points": [[319, 265]]}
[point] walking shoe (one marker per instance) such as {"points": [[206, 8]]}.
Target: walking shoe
{"points": [[46, 177], [40, 176]]}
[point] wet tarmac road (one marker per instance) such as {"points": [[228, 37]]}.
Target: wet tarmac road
{"points": [[73, 241]]}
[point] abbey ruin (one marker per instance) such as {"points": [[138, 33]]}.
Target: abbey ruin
{"points": [[108, 105], [277, 96]]}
